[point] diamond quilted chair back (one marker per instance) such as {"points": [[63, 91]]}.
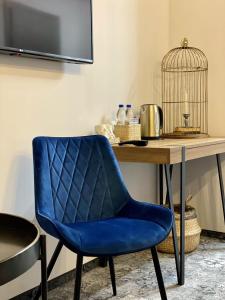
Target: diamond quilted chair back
{"points": [[77, 179]]}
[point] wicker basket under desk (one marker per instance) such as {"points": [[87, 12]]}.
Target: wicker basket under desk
{"points": [[128, 132]]}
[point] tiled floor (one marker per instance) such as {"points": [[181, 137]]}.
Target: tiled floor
{"points": [[205, 277]]}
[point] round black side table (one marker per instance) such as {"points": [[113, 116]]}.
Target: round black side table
{"points": [[21, 245]]}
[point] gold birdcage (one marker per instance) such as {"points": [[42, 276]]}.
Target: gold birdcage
{"points": [[185, 92]]}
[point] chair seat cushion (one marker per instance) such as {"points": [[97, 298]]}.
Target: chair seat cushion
{"points": [[112, 236]]}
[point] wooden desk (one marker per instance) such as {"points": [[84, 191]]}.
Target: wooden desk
{"points": [[166, 153]]}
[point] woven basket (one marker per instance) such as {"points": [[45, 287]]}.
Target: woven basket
{"points": [[192, 232], [128, 132]]}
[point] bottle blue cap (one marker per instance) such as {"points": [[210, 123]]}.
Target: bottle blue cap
{"points": [[121, 105], [128, 105]]}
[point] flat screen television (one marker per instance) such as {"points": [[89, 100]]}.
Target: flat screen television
{"points": [[48, 29]]}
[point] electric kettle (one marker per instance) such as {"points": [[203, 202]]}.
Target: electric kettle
{"points": [[151, 121]]}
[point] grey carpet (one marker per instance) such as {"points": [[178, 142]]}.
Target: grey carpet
{"points": [[205, 277]]}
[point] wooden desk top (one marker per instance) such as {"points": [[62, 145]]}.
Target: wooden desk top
{"points": [[168, 151]]}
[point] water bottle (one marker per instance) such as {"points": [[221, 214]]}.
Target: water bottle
{"points": [[129, 114], [121, 115]]}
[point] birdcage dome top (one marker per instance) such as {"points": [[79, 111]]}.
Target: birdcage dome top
{"points": [[184, 59]]}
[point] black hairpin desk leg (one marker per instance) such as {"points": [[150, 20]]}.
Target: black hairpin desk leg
{"points": [[218, 159], [180, 259], [171, 206], [161, 184], [182, 217]]}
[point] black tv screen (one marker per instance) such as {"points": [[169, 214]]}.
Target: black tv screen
{"points": [[50, 29]]}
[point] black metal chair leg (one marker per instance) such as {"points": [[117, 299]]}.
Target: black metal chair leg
{"points": [[158, 274], [171, 206], [218, 159], [78, 277], [50, 267], [112, 275], [44, 284], [54, 258]]}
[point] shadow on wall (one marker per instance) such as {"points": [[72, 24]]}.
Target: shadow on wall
{"points": [[203, 185], [207, 191], [20, 187], [140, 181], [31, 66]]}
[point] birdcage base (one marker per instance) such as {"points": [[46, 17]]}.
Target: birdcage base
{"points": [[189, 129], [184, 135]]}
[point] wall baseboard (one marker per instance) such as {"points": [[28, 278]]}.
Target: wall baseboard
{"points": [[213, 234], [57, 281]]}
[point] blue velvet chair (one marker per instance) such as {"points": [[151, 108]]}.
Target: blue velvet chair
{"points": [[82, 201]]}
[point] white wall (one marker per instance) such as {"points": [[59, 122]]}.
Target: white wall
{"points": [[202, 22], [49, 98]]}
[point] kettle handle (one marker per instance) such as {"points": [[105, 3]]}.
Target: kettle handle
{"points": [[160, 117]]}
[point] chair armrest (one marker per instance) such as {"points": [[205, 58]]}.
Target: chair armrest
{"points": [[146, 211], [70, 236], [47, 224]]}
